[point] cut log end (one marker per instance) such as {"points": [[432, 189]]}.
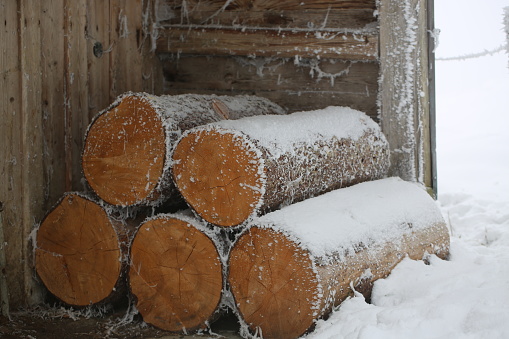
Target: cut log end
{"points": [[175, 275], [78, 255], [274, 284], [219, 176], [124, 153]]}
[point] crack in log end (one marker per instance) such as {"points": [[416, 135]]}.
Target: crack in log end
{"points": [[176, 274], [219, 176], [78, 255], [280, 302]]}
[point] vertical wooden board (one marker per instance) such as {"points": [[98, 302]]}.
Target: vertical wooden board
{"points": [[76, 90], [125, 58], [52, 97], [152, 72], [403, 94], [98, 46], [32, 140], [10, 152]]}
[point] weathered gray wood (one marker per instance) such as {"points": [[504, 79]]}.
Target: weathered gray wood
{"points": [[75, 90], [32, 188], [10, 152], [270, 13], [52, 68], [404, 93], [261, 42], [306, 85]]}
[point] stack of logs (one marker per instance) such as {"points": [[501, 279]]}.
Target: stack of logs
{"points": [[272, 231]]}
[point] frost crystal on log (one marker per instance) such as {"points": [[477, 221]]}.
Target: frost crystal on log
{"points": [[231, 171], [294, 265], [127, 147], [176, 273], [80, 252]]}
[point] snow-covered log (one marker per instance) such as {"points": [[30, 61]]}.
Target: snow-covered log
{"points": [[232, 171], [176, 273], [127, 146], [81, 251], [294, 265]]}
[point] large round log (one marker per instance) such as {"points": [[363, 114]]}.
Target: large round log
{"points": [[176, 273], [232, 171], [81, 252], [293, 266], [127, 147]]}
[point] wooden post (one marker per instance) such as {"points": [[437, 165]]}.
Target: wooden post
{"points": [[404, 92]]}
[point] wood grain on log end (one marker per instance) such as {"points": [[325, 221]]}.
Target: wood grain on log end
{"points": [[219, 175], [124, 153], [274, 284], [78, 255], [175, 275]]}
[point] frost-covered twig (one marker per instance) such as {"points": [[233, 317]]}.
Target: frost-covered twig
{"points": [[474, 55]]}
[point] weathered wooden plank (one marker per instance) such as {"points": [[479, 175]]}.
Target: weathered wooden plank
{"points": [[98, 46], [404, 93], [52, 97], [269, 13], [152, 73], [303, 85], [125, 37], [33, 184], [11, 150], [75, 89], [276, 43]]}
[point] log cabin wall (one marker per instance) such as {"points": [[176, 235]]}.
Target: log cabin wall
{"points": [[65, 60], [301, 54]]}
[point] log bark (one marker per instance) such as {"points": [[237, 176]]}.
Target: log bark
{"points": [[283, 277], [232, 171], [127, 147], [176, 273], [81, 252]]}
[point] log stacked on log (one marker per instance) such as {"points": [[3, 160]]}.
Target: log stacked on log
{"points": [[127, 147], [176, 273], [232, 171], [81, 252], [287, 268], [293, 265]]}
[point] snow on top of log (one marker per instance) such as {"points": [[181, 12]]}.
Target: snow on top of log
{"points": [[345, 220], [279, 133]]}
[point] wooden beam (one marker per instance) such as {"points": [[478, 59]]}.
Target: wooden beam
{"points": [[352, 14], [404, 92], [268, 42]]}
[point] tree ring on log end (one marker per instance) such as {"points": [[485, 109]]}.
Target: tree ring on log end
{"points": [[78, 255], [220, 175], [175, 275], [274, 284], [124, 154]]}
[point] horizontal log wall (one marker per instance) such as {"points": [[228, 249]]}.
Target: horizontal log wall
{"points": [[63, 61], [300, 54]]}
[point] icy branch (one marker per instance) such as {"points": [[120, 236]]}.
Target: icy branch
{"points": [[475, 55]]}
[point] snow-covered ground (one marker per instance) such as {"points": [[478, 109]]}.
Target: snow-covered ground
{"points": [[468, 295]]}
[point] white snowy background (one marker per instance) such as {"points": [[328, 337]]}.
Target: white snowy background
{"points": [[467, 296]]}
